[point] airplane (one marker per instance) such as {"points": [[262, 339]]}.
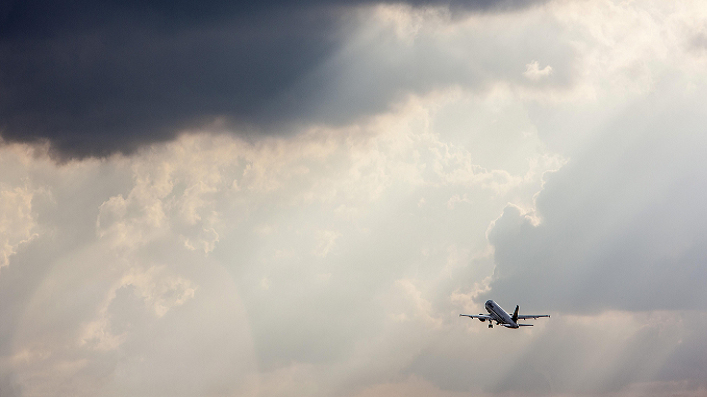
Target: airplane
{"points": [[497, 314]]}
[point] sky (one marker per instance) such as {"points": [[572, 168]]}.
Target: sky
{"points": [[268, 199]]}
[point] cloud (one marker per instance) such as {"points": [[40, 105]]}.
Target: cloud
{"points": [[533, 71], [16, 221], [325, 259], [624, 210], [309, 277], [94, 78]]}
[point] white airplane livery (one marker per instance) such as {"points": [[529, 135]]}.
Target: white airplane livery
{"points": [[497, 314]]}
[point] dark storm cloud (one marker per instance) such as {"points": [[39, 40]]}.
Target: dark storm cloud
{"points": [[623, 225], [98, 77]]}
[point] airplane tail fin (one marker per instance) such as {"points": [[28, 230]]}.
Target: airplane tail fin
{"points": [[515, 314]]}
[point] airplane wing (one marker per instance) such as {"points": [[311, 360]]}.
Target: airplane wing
{"points": [[531, 316], [480, 316]]}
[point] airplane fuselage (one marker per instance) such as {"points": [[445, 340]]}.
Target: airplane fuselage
{"points": [[499, 315]]}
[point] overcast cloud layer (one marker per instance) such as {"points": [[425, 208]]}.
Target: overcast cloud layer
{"points": [[549, 156]]}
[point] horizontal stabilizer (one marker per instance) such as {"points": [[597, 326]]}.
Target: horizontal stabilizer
{"points": [[525, 325], [531, 316]]}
